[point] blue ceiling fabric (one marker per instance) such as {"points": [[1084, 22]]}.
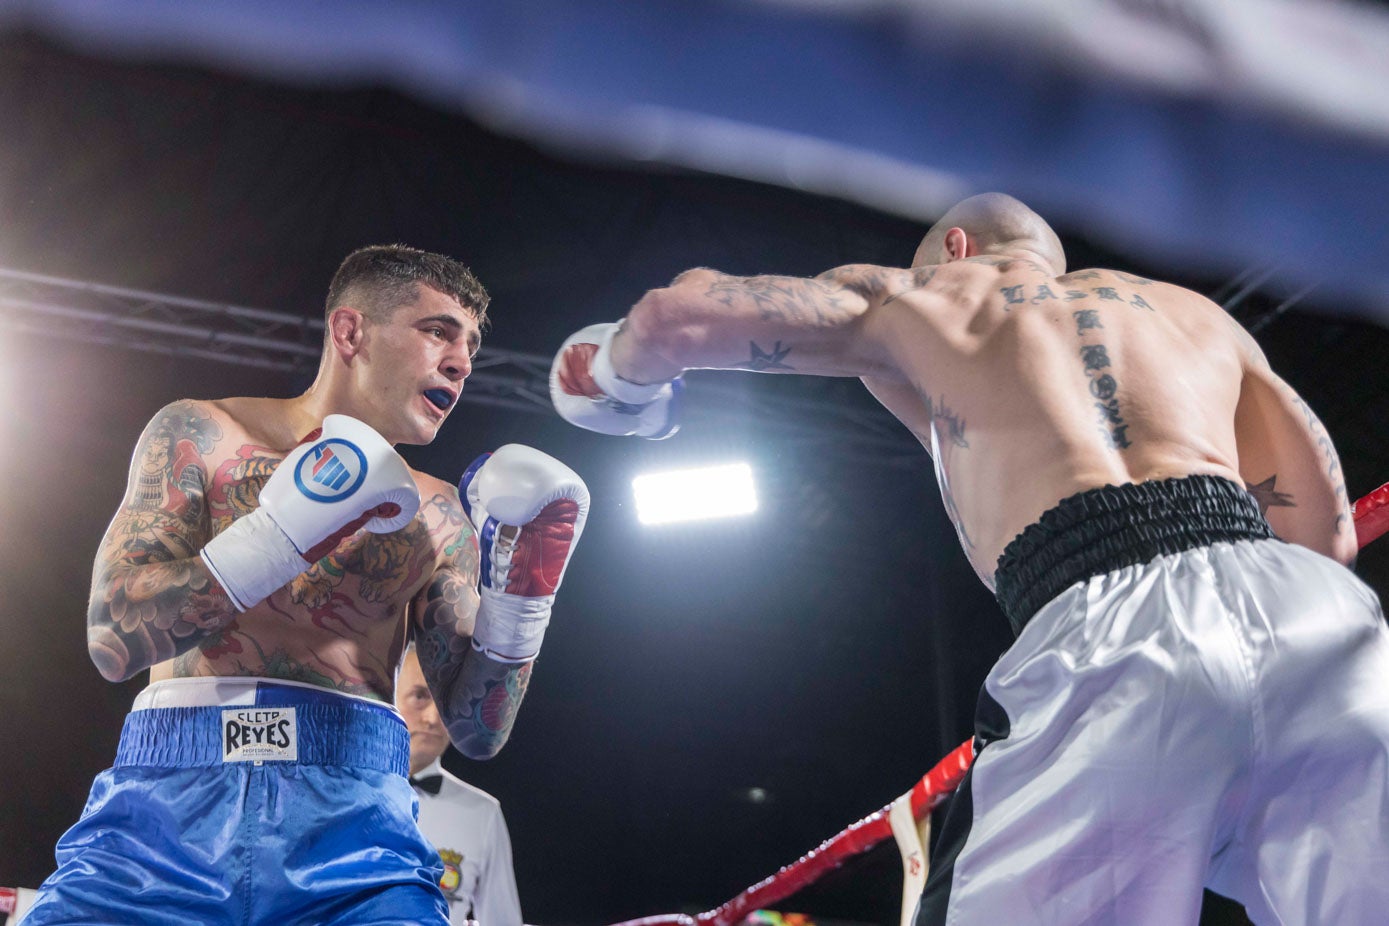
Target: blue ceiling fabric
{"points": [[1209, 135]]}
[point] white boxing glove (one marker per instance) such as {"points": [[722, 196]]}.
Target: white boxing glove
{"points": [[340, 478], [529, 511], [587, 392]]}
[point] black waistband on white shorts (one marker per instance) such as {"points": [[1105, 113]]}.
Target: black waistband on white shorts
{"points": [[1101, 530]]}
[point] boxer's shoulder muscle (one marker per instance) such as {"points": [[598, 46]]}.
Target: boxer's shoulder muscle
{"points": [[146, 594], [164, 514]]}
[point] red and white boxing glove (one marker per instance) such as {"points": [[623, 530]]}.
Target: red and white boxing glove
{"points": [[332, 484], [529, 511], [587, 392]]}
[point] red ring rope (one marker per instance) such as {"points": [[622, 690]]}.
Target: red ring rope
{"points": [[1371, 522], [1372, 515]]}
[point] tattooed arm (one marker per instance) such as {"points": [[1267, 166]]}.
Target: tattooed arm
{"points": [[768, 324], [477, 697], [152, 597], [1289, 464]]}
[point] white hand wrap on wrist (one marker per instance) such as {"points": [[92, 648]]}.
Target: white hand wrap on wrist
{"points": [[606, 378], [252, 559], [509, 628]]}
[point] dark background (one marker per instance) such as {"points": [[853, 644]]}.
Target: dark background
{"points": [[826, 650]]}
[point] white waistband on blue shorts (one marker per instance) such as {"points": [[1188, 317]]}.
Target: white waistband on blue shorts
{"points": [[213, 721], [231, 691]]}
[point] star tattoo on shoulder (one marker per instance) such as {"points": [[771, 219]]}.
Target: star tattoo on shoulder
{"points": [[767, 360], [1269, 497]]}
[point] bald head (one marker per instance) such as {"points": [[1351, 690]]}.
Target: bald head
{"points": [[994, 223]]}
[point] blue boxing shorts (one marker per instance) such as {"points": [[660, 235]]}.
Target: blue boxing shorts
{"points": [[247, 801]]}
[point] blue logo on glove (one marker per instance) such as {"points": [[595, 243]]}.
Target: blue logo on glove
{"points": [[332, 470]]}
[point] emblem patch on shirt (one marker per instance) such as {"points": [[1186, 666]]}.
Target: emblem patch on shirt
{"points": [[453, 873], [259, 734]]}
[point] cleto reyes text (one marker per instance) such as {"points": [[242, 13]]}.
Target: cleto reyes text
{"points": [[268, 728]]}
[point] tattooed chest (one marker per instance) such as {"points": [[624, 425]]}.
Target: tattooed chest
{"points": [[376, 570], [366, 569], [236, 487]]}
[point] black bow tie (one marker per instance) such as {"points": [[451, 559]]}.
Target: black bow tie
{"points": [[428, 783]]}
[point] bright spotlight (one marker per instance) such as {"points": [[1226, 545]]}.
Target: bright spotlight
{"points": [[695, 494]]}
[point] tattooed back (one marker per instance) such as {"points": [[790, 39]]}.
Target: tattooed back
{"points": [[340, 624], [1028, 387]]}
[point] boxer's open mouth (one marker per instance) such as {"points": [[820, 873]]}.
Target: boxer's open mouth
{"points": [[441, 399]]}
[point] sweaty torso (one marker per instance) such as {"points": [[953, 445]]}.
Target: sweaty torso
{"points": [[341, 623], [1027, 387]]}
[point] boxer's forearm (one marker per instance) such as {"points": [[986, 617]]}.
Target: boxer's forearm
{"points": [[689, 324], [477, 697], [140, 616], [481, 705], [765, 324]]}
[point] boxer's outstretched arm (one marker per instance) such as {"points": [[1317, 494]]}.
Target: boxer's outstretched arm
{"points": [[766, 324], [152, 597], [477, 697]]}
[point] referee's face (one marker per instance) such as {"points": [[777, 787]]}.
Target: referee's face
{"points": [[428, 737]]}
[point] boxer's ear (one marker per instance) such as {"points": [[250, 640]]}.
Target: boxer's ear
{"points": [[957, 244], [346, 326]]}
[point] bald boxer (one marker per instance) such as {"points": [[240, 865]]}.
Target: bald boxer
{"points": [[1199, 689], [263, 564], [463, 822]]}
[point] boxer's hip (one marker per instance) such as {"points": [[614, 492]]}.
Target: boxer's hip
{"points": [[208, 722], [249, 801], [1103, 530], [1167, 593]]}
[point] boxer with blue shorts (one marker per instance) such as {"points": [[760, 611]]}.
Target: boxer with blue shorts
{"points": [[267, 565], [243, 801]]}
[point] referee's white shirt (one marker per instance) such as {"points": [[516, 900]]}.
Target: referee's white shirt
{"points": [[465, 824]]}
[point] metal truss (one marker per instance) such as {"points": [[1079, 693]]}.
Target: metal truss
{"points": [[158, 323], [215, 331], [138, 320]]}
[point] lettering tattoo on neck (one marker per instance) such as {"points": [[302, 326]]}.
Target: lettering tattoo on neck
{"points": [[1040, 293]]}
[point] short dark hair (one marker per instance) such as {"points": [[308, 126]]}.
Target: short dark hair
{"points": [[378, 278]]}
